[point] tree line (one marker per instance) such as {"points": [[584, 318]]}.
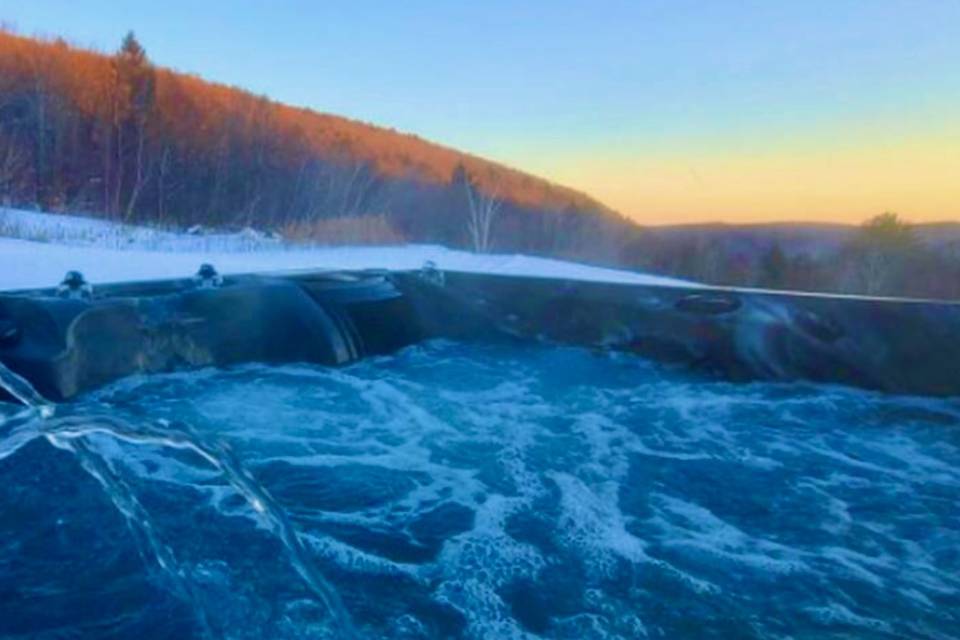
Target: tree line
{"points": [[116, 136], [885, 256]]}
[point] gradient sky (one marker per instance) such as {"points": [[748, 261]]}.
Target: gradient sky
{"points": [[669, 111]]}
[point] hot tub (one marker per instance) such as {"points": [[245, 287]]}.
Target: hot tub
{"points": [[425, 455]]}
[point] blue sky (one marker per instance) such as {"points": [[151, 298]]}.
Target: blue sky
{"points": [[599, 95]]}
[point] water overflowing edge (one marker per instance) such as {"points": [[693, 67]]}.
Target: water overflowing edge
{"points": [[69, 432]]}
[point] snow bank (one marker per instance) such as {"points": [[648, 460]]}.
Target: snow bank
{"points": [[108, 252], [85, 231]]}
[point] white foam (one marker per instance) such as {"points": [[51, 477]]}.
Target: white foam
{"points": [[691, 526], [591, 521], [503, 442], [836, 613]]}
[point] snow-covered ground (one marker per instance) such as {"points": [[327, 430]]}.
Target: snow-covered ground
{"points": [[37, 249], [84, 231]]}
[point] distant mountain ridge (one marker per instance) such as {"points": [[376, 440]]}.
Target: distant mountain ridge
{"points": [[796, 238]]}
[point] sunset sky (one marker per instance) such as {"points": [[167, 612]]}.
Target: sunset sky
{"points": [[669, 111]]}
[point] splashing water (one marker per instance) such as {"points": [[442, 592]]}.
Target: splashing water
{"points": [[69, 433], [240, 479], [23, 392], [480, 491]]}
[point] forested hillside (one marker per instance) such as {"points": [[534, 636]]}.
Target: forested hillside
{"points": [[885, 255], [118, 137], [115, 135]]}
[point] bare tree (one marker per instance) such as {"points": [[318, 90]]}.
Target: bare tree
{"points": [[140, 171], [872, 273], [162, 182], [880, 254], [482, 211], [356, 185], [12, 164], [304, 200], [325, 189]]}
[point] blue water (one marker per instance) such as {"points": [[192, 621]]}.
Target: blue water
{"points": [[480, 491]]}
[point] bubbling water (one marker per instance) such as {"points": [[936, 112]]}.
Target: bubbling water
{"points": [[482, 491]]}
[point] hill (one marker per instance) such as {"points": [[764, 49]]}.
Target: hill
{"points": [[116, 136], [809, 239], [884, 256]]}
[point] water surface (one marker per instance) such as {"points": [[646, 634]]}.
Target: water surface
{"points": [[480, 491]]}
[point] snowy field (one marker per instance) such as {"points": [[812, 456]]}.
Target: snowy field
{"points": [[37, 249]]}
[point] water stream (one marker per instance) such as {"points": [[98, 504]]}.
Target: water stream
{"points": [[69, 432]]}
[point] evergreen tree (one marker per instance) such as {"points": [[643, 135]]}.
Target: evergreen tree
{"points": [[134, 96], [134, 71], [887, 231]]}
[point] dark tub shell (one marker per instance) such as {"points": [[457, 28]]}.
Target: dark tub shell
{"points": [[67, 346]]}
